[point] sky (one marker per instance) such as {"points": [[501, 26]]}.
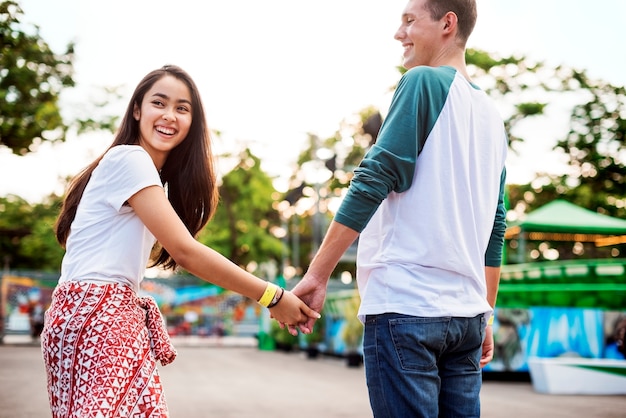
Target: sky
{"points": [[272, 71]]}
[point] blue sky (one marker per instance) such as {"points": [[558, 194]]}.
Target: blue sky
{"points": [[272, 71]]}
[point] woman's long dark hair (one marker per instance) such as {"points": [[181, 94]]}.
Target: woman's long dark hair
{"points": [[188, 172]]}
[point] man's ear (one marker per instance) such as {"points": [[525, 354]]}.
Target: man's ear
{"points": [[450, 21]]}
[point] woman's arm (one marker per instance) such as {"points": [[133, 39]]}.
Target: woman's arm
{"points": [[158, 215]]}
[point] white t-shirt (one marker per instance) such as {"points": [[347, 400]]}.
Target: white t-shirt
{"points": [[423, 251], [108, 242]]}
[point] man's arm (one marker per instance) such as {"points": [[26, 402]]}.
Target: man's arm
{"points": [[312, 287], [493, 261], [337, 240], [492, 277]]}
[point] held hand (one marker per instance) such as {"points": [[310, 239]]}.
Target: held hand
{"points": [[294, 312], [313, 293], [488, 347]]}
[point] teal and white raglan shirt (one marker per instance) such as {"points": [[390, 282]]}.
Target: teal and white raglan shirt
{"points": [[428, 199]]}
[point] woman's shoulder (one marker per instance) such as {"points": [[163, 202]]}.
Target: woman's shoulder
{"points": [[119, 151], [126, 158]]}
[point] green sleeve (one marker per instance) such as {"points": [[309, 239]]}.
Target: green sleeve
{"points": [[493, 255], [390, 164]]}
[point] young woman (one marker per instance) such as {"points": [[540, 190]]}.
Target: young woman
{"points": [[156, 183]]}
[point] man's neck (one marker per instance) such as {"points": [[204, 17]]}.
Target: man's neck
{"points": [[452, 57]]}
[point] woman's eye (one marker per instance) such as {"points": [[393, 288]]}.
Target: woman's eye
{"points": [[157, 102]]}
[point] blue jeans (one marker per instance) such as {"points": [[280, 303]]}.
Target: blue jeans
{"points": [[423, 367]]}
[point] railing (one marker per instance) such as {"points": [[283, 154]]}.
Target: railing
{"points": [[597, 283]]}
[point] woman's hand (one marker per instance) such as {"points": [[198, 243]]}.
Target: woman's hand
{"points": [[312, 291], [294, 313]]}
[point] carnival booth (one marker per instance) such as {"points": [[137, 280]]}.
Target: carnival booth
{"points": [[558, 319]]}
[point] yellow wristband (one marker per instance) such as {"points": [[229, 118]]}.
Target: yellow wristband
{"points": [[268, 295], [490, 320]]}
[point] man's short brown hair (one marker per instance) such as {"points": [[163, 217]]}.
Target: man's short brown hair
{"points": [[465, 11]]}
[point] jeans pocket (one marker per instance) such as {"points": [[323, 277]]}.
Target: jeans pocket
{"points": [[417, 341]]}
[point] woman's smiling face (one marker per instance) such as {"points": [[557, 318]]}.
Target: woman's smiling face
{"points": [[164, 117]]}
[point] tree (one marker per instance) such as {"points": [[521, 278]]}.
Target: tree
{"points": [[242, 227], [525, 91], [514, 82], [595, 145], [31, 80], [40, 247], [27, 240], [14, 224], [336, 158]]}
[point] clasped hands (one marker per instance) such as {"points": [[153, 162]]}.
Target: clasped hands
{"points": [[309, 296]]}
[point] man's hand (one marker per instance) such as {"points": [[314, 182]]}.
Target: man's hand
{"points": [[312, 292], [487, 347]]}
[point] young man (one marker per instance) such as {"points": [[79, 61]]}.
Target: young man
{"points": [[427, 201]]}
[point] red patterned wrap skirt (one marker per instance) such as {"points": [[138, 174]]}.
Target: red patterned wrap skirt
{"points": [[100, 346]]}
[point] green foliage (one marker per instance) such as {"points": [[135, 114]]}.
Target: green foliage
{"points": [[27, 240], [95, 116], [481, 59], [353, 329], [596, 148], [340, 157], [530, 109], [15, 223], [595, 145], [241, 229], [31, 79], [282, 337], [317, 334]]}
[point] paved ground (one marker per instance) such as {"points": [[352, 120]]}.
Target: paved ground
{"points": [[236, 380]]}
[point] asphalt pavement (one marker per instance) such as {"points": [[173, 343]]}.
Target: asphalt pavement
{"points": [[232, 378]]}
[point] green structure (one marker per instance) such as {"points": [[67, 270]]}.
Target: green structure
{"points": [[563, 309], [571, 283], [583, 283]]}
